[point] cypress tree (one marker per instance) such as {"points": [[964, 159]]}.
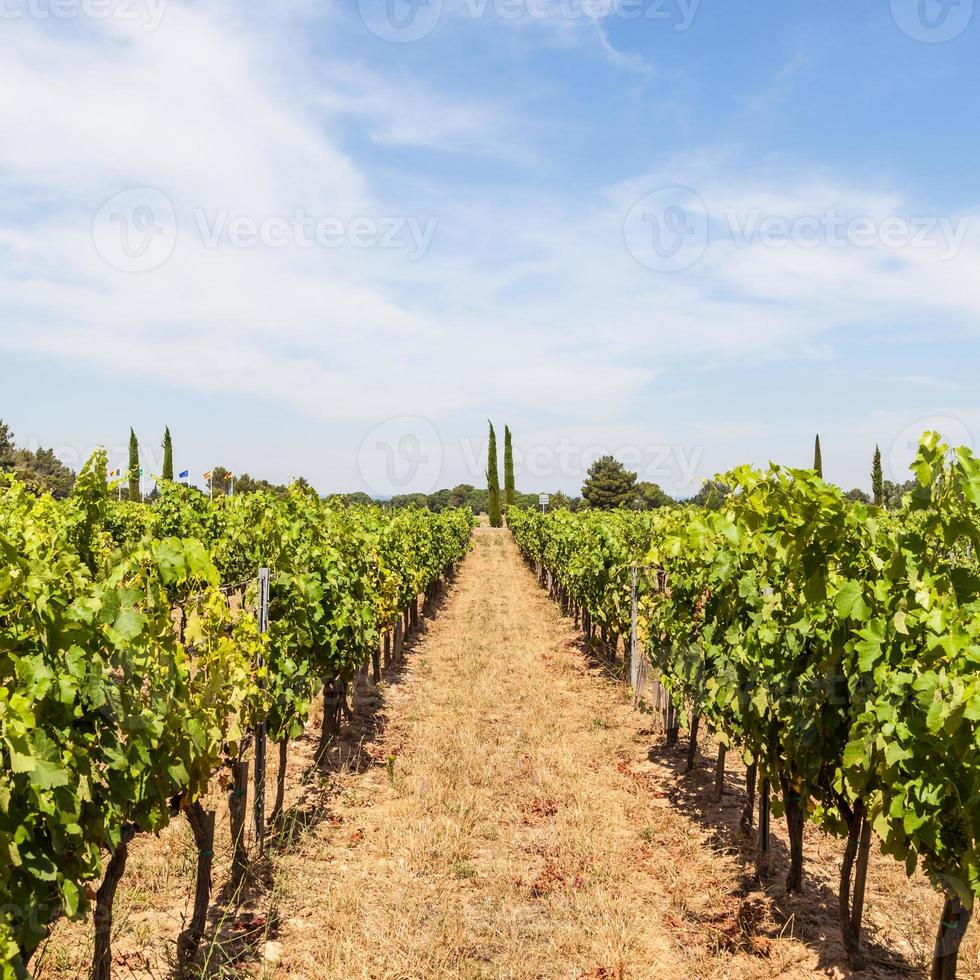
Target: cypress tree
{"points": [[168, 456], [508, 468], [817, 459], [877, 480], [134, 468], [493, 482]]}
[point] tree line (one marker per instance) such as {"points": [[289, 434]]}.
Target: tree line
{"points": [[608, 483], [39, 469]]}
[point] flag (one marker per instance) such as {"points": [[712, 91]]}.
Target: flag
{"points": [[207, 476], [183, 475]]}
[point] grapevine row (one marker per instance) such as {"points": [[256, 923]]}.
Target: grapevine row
{"points": [[834, 645], [127, 678]]}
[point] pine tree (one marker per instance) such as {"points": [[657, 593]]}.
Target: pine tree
{"points": [[609, 484], [817, 459], [134, 468], [493, 482], [7, 447], [508, 468], [877, 480], [168, 456]]}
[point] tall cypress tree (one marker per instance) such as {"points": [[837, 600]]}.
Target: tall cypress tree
{"points": [[493, 482], [508, 468], [817, 459], [134, 468], [168, 456], [877, 480]]}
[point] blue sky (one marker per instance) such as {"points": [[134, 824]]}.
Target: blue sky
{"points": [[332, 239]]}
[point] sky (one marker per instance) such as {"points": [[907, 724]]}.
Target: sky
{"points": [[334, 239]]}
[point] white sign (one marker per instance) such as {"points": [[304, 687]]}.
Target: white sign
{"points": [[543, 499]]}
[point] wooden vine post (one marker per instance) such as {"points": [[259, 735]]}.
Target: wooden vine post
{"points": [[692, 745], [634, 644], [952, 927], [861, 877], [794, 805], [102, 955], [850, 909], [764, 802], [260, 731], [672, 721], [748, 810], [720, 772], [334, 707], [237, 811], [202, 826], [280, 800]]}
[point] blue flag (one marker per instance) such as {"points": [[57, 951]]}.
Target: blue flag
{"points": [[183, 474]]}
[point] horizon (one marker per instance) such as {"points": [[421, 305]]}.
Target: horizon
{"points": [[388, 466]]}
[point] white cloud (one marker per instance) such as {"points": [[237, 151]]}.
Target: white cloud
{"points": [[527, 299], [196, 108], [397, 111]]}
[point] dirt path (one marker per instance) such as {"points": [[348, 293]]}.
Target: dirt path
{"points": [[507, 829]]}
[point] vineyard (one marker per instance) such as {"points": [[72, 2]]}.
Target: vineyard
{"points": [[150, 652], [147, 652], [835, 647]]}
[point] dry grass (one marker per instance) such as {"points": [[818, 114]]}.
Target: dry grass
{"points": [[509, 836], [498, 811]]}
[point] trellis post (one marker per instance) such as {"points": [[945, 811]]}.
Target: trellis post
{"points": [[764, 810], [634, 652], [260, 731]]}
